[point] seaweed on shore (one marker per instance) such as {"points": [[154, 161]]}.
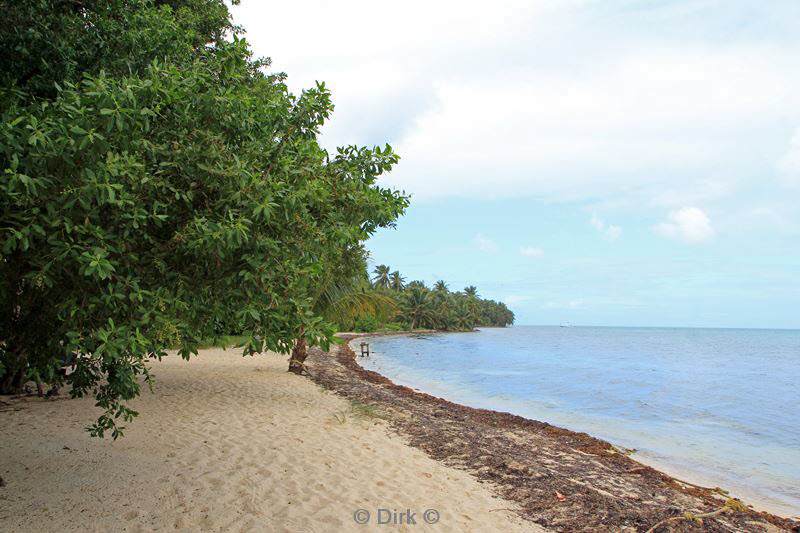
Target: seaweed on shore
{"points": [[561, 479]]}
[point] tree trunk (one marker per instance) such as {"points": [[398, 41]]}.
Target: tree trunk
{"points": [[16, 366], [12, 382], [298, 359]]}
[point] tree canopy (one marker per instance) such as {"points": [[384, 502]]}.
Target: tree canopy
{"points": [[417, 306], [160, 186]]}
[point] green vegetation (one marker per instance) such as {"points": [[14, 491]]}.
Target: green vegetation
{"points": [[159, 188], [225, 341], [415, 306], [362, 411], [365, 410]]}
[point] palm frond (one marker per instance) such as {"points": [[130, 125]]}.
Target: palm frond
{"points": [[342, 303]]}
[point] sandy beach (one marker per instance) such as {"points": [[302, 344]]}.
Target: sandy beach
{"points": [[226, 443]]}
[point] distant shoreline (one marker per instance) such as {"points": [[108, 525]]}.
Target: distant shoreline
{"points": [[601, 470]]}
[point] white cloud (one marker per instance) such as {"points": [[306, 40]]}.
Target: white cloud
{"points": [[703, 190], [484, 244], [514, 299], [531, 251], [690, 224], [766, 218], [789, 165], [639, 104], [571, 304], [658, 121], [613, 232], [609, 231]]}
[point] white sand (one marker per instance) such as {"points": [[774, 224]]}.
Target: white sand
{"points": [[227, 444]]}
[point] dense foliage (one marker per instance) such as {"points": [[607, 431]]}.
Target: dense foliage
{"points": [[159, 187], [417, 306]]}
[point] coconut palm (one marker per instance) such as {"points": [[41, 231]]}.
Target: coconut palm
{"points": [[343, 295], [441, 302], [381, 279], [440, 286], [471, 291], [396, 281], [416, 307], [341, 302], [462, 316]]}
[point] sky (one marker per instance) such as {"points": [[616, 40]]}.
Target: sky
{"points": [[615, 162]]}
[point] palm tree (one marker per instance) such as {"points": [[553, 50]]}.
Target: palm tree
{"points": [[463, 317], [416, 307], [381, 278], [440, 286], [342, 301], [397, 281], [471, 291], [416, 283], [440, 302]]}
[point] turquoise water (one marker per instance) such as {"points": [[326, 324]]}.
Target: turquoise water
{"points": [[719, 407]]}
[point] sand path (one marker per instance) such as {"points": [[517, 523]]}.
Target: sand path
{"points": [[227, 444]]}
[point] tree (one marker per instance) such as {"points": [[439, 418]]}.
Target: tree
{"points": [[397, 281], [491, 313], [157, 183], [381, 279], [463, 318], [416, 307], [343, 295]]}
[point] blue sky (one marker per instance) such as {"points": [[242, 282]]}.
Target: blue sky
{"points": [[609, 163]]}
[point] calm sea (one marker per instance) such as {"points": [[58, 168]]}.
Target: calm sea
{"points": [[719, 407]]}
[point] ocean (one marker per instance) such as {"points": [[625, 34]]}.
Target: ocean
{"points": [[718, 407]]}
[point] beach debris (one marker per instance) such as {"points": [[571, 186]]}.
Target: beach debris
{"points": [[731, 505], [622, 450], [560, 497], [528, 460], [2, 482]]}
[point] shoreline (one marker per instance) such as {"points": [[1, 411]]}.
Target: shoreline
{"points": [[681, 472], [531, 461]]}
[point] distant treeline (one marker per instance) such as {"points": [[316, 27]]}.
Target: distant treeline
{"points": [[413, 305]]}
